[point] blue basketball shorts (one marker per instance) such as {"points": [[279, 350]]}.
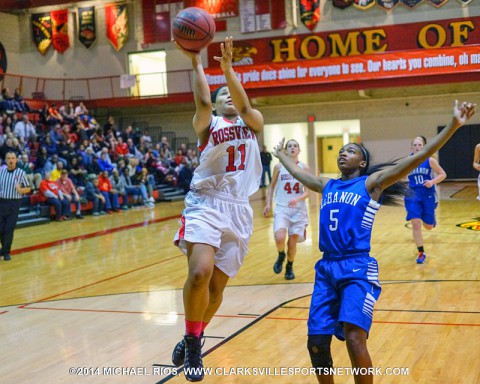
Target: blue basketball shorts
{"points": [[345, 291], [422, 206]]}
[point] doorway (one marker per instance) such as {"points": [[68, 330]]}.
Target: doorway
{"points": [[327, 150]]}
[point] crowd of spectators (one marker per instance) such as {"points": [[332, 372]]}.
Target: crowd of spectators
{"points": [[70, 158]]}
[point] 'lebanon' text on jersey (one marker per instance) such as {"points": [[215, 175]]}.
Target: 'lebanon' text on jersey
{"points": [[346, 217]]}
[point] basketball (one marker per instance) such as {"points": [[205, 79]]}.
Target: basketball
{"points": [[193, 29]]}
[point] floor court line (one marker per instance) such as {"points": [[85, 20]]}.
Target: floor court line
{"points": [[101, 281], [103, 232]]}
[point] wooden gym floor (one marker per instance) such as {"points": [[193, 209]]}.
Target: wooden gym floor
{"points": [[100, 301]]}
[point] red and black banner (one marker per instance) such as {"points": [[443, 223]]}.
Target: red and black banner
{"points": [[3, 61], [87, 34], [116, 18], [42, 31], [342, 4], [310, 13], [60, 30]]}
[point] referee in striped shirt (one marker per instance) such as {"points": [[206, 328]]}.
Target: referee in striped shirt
{"points": [[13, 185]]}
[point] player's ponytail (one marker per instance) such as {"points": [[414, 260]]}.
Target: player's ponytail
{"points": [[394, 194]]}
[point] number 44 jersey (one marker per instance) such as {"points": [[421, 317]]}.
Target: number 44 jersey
{"points": [[289, 188], [229, 160]]}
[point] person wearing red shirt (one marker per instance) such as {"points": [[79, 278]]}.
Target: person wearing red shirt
{"points": [[52, 195], [69, 192], [121, 149], [111, 197]]}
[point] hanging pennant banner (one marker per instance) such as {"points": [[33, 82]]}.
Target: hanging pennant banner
{"points": [[116, 17], [363, 4], [42, 31], [60, 30], [3, 61], [387, 4], [437, 3], [310, 13], [86, 26], [411, 3]]}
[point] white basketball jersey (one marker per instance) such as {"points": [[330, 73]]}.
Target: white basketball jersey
{"points": [[230, 160], [288, 188]]}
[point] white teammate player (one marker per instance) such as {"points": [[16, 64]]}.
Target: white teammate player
{"points": [[291, 214], [218, 221]]}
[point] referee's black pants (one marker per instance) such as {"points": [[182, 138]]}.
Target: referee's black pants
{"points": [[9, 209]]}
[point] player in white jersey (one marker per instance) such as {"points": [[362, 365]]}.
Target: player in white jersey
{"points": [[218, 221], [476, 165], [291, 214]]}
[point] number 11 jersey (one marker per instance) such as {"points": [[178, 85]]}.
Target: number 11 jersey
{"points": [[229, 160]]}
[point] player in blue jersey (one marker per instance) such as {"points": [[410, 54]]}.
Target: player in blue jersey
{"points": [[421, 201], [346, 278]]}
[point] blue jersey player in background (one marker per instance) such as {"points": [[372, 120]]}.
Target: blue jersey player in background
{"points": [[421, 201], [346, 278]]}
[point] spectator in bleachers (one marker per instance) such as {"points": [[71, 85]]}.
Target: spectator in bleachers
{"points": [[7, 146], [86, 154], [165, 147], [110, 195], [82, 133], [119, 187], [55, 133], [7, 124], [121, 148], [57, 171], [127, 134], [185, 174], [18, 147], [77, 172], [33, 178], [53, 116], [50, 145], [24, 129], [179, 157], [8, 104], [71, 152], [93, 194], [93, 167], [104, 163], [70, 192], [154, 167], [21, 105], [143, 147], [3, 165], [54, 197], [147, 139], [67, 111], [41, 161], [81, 110], [96, 146], [62, 150], [183, 148], [110, 127], [192, 158], [133, 151], [140, 179]]}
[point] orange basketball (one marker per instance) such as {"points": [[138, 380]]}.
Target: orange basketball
{"points": [[193, 29]]}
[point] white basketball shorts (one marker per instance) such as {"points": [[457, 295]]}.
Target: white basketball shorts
{"points": [[221, 220], [292, 219]]}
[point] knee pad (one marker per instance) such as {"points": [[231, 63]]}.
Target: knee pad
{"points": [[319, 350]]}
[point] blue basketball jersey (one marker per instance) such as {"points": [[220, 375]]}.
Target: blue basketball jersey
{"points": [[420, 175], [346, 218]]}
